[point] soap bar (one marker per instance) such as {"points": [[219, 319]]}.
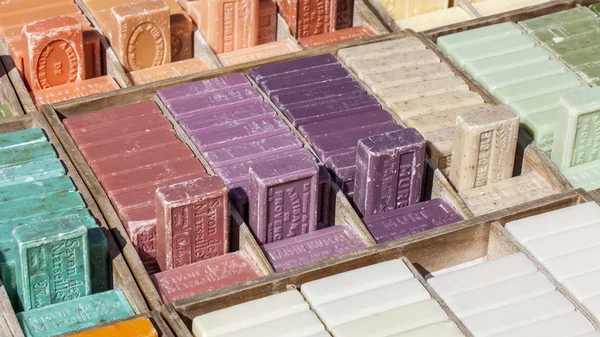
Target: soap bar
{"points": [[338, 36], [260, 52], [446, 329], [573, 264], [312, 247], [204, 103], [407, 8], [54, 263], [583, 286], [423, 89], [34, 171], [192, 222], [407, 75], [497, 64], [288, 67], [479, 35], [36, 188], [484, 147], [565, 242], [411, 220], [22, 137], [440, 120], [379, 50], [304, 79], [285, 192], [389, 171], [166, 71], [530, 72], [89, 310], [426, 105], [77, 124], [395, 61], [131, 145], [573, 323], [138, 327], [141, 36], [301, 324], [557, 19], [491, 48], [341, 87], [306, 18], [224, 118], [204, 276], [25, 154], [71, 91], [432, 20], [53, 59], [541, 86], [221, 83], [376, 117], [267, 21], [334, 108]]}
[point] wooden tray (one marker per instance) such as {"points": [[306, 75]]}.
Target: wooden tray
{"points": [[7, 92], [122, 277], [445, 247]]}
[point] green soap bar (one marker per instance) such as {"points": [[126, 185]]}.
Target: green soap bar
{"points": [[578, 42], [5, 111], [557, 34], [36, 188], [520, 74], [75, 315], [541, 127], [503, 62], [577, 139], [589, 72], [9, 278], [557, 19], [34, 171], [40, 205], [595, 8], [580, 57], [17, 138], [595, 82], [52, 262], [586, 176], [25, 154], [536, 87], [490, 49], [542, 103], [476, 36]]}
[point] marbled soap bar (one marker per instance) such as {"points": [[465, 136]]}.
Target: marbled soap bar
{"points": [[204, 276], [411, 220], [312, 247], [76, 314], [138, 327]]}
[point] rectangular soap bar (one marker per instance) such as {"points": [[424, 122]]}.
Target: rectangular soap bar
{"points": [[121, 147], [90, 310], [338, 36], [565, 242], [530, 72], [312, 247], [395, 61], [479, 35], [440, 120], [334, 125], [301, 324], [573, 323], [537, 87], [304, 79], [204, 276], [379, 50], [288, 67], [508, 61], [138, 327], [432, 20], [22, 137], [426, 105], [446, 329], [221, 83], [285, 193], [192, 220], [203, 103], [166, 71], [341, 87], [334, 108], [260, 52], [224, 118], [402, 76], [572, 264], [407, 221], [423, 89], [69, 91], [389, 171], [25, 154], [104, 117]]}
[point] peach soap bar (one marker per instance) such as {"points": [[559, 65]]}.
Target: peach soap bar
{"points": [[139, 327], [70, 91]]}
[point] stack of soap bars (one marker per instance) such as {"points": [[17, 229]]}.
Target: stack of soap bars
{"points": [[54, 255]]}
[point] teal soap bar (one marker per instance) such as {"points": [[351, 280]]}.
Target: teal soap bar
{"points": [[580, 57], [517, 75], [476, 36], [52, 262], [5, 111], [504, 62], [574, 43], [557, 34], [17, 138], [490, 49], [75, 315], [25, 154], [536, 87], [543, 102], [541, 127], [37, 206], [36, 188], [557, 19], [33, 171]]}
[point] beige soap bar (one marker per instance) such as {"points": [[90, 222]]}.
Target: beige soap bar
{"points": [[400, 9], [484, 147], [422, 89], [440, 120], [426, 105], [379, 50], [437, 19], [406, 75], [394, 61], [260, 52], [491, 7], [439, 148]]}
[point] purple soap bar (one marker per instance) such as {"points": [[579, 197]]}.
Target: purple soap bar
{"points": [[200, 104], [411, 220], [284, 194], [251, 150], [312, 247], [334, 108], [239, 169], [343, 166], [238, 193], [214, 84], [303, 79], [337, 88], [324, 198], [222, 118], [289, 67], [345, 141], [263, 128], [389, 171], [330, 126]]}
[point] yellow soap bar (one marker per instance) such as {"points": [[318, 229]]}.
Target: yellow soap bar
{"points": [[400, 9], [139, 327]]}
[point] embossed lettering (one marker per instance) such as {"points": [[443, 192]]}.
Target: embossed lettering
{"points": [[483, 158]]}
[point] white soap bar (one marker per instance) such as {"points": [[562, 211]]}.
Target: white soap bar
{"points": [[298, 325], [247, 314], [584, 285], [444, 329], [573, 264], [482, 275], [423, 89], [518, 314], [593, 305], [355, 281], [426, 105], [380, 49], [396, 61], [321, 334], [591, 334], [564, 242], [393, 321], [371, 302], [568, 325], [553, 222], [500, 294]]}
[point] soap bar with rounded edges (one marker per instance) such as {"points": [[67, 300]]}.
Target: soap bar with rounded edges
{"points": [[138, 327]]}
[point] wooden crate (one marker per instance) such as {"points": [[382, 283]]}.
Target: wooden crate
{"points": [[122, 277], [8, 94], [477, 239]]}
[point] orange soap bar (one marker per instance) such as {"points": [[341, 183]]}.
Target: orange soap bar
{"points": [[267, 21], [53, 59], [70, 91], [338, 36], [169, 70], [308, 17], [139, 327], [15, 6], [33, 14], [259, 52], [141, 36]]}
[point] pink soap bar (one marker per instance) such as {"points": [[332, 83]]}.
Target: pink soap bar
{"points": [[204, 276], [140, 224], [200, 104], [224, 118], [222, 83], [340, 107], [251, 150], [109, 116], [322, 92], [121, 147], [266, 127], [122, 129], [312, 247]]}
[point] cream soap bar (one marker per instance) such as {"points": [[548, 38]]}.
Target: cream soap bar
{"points": [[584, 285], [425, 105], [379, 50], [444, 329], [302, 324], [435, 19], [572, 324], [407, 75], [566, 242]]}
